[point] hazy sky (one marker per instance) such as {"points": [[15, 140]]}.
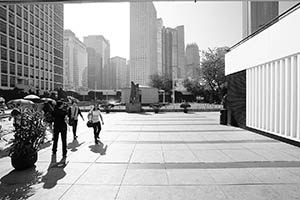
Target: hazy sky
{"points": [[209, 24]]}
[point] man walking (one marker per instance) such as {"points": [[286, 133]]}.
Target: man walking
{"points": [[73, 113], [60, 126]]}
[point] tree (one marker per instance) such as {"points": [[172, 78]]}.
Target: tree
{"points": [[161, 82], [213, 71], [194, 86]]}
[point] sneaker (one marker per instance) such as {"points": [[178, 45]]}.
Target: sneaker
{"points": [[75, 137]]}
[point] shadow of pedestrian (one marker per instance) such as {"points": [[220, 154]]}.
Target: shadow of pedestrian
{"points": [[98, 148], [18, 184], [54, 173], [74, 144]]}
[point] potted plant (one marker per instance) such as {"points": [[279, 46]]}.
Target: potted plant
{"points": [[29, 134], [185, 106], [156, 107]]}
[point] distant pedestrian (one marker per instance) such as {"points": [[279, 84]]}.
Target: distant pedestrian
{"points": [[73, 113], [60, 126], [95, 116]]}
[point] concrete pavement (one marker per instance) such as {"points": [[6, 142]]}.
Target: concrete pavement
{"points": [[161, 156]]}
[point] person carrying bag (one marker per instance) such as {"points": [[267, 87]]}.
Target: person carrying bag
{"points": [[94, 117]]}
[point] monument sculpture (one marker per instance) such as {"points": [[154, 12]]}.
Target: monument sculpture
{"points": [[134, 104]]}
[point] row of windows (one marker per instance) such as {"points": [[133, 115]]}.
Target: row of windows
{"points": [[26, 72], [13, 81], [38, 54]]}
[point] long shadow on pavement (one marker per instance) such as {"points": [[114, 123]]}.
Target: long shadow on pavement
{"points": [[98, 148], [18, 184], [54, 173], [74, 144]]}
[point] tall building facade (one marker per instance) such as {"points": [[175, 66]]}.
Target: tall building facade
{"points": [[159, 45], [98, 49], [122, 72], [31, 47], [75, 61], [257, 14], [143, 42], [173, 52], [192, 65]]}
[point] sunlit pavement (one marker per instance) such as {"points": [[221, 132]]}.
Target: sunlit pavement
{"points": [[161, 156]]}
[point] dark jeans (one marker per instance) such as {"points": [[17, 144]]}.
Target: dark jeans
{"points": [[63, 140], [97, 129], [74, 126]]}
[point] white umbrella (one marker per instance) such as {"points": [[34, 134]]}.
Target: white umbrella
{"points": [[31, 97]]}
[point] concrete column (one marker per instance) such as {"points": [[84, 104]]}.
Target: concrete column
{"points": [[298, 97]]}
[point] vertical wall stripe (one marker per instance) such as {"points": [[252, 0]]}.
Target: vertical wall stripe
{"points": [[287, 97], [293, 97], [277, 96], [282, 96], [298, 97]]}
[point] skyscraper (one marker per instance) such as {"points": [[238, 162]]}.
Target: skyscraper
{"points": [[75, 61], [192, 61], [173, 52], [31, 47], [143, 42], [98, 49], [159, 45], [122, 78]]}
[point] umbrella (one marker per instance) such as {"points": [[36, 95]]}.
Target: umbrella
{"points": [[70, 98], [20, 101], [49, 99], [31, 97]]}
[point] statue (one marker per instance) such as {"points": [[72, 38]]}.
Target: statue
{"points": [[134, 105], [135, 93]]}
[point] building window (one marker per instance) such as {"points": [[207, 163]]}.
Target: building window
{"points": [[3, 13], [19, 10], [31, 51], [31, 61], [4, 68], [12, 8], [3, 54], [19, 22], [25, 37], [19, 58], [12, 69], [37, 33], [11, 18], [26, 60], [4, 80], [19, 46], [3, 40], [19, 34], [26, 71], [25, 15], [31, 72], [36, 43], [25, 25], [36, 53], [31, 19], [3, 28], [12, 56], [25, 49], [19, 70], [12, 81], [31, 8], [32, 40], [11, 43], [37, 22], [12, 31], [31, 30]]}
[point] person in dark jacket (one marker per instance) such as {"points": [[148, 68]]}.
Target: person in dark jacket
{"points": [[60, 126], [73, 113]]}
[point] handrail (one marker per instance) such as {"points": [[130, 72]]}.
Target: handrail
{"points": [[267, 25]]}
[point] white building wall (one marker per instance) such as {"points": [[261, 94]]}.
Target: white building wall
{"points": [[272, 63]]}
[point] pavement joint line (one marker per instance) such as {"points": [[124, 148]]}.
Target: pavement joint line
{"points": [[172, 131], [195, 142], [195, 124], [119, 188]]}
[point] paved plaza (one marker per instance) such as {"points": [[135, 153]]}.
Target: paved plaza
{"points": [[160, 156]]}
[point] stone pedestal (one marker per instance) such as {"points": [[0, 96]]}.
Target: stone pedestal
{"points": [[133, 107]]}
